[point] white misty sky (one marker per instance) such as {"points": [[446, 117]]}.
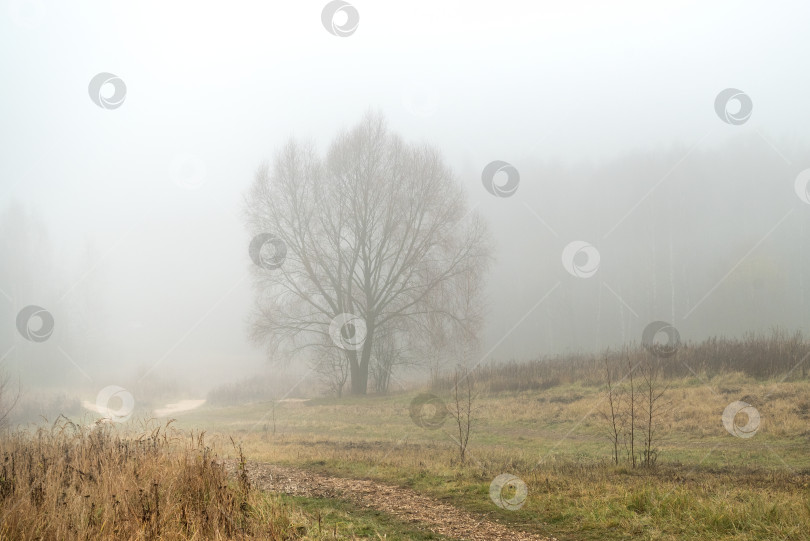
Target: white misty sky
{"points": [[220, 86]]}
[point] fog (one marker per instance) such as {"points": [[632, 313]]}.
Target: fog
{"points": [[127, 223]]}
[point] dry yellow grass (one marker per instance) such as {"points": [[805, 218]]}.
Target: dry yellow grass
{"points": [[74, 482]]}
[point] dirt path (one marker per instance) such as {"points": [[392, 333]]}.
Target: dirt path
{"points": [[403, 503]]}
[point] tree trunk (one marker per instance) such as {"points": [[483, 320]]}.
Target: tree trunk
{"points": [[360, 369], [359, 378]]}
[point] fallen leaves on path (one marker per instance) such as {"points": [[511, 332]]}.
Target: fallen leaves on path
{"points": [[403, 503]]}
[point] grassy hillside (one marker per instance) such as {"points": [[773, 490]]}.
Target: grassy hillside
{"points": [[705, 484]]}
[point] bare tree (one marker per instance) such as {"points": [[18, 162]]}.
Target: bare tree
{"points": [[434, 347], [378, 229], [635, 407], [333, 369], [461, 407], [613, 415], [631, 450], [653, 403], [389, 352]]}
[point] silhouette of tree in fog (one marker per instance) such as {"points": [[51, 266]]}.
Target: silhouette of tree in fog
{"points": [[378, 229]]}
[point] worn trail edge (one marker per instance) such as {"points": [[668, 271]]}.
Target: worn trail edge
{"points": [[403, 503]]}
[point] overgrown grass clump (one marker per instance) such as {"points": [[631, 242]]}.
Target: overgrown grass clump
{"points": [[67, 481]]}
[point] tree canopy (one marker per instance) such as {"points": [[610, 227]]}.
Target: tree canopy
{"points": [[372, 242]]}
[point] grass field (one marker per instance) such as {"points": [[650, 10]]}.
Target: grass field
{"points": [[66, 481], [315, 468], [706, 484]]}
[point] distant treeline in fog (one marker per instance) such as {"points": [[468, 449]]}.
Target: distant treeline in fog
{"points": [[778, 355]]}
